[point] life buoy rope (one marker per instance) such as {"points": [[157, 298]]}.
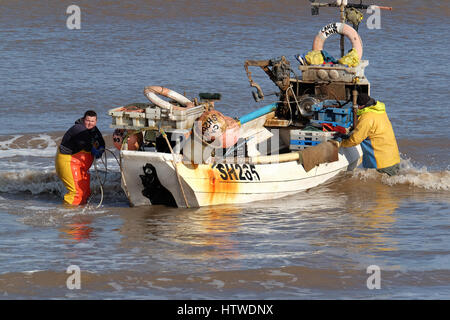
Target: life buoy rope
{"points": [[152, 93], [341, 28]]}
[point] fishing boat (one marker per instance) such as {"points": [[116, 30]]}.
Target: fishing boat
{"points": [[182, 152]]}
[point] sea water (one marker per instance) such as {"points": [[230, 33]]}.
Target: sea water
{"points": [[316, 244]]}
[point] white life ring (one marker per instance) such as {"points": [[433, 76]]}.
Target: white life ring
{"points": [[341, 2], [341, 28], [152, 93]]}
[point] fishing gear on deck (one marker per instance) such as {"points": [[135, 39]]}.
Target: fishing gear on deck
{"points": [[278, 70]]}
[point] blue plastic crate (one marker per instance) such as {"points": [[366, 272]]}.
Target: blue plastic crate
{"points": [[325, 113], [304, 142]]}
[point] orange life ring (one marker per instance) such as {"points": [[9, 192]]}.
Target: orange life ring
{"points": [[341, 28], [152, 93]]}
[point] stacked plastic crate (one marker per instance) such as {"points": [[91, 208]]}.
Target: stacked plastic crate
{"points": [[144, 115], [329, 113], [301, 139]]}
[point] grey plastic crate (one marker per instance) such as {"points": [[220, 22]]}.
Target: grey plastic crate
{"points": [[301, 139], [123, 119], [175, 118], [311, 135], [153, 116], [156, 113]]}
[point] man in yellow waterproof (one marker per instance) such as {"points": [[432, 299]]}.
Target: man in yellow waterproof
{"points": [[375, 134], [79, 145]]}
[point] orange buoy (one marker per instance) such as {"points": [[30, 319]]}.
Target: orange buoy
{"points": [[134, 140], [217, 130]]}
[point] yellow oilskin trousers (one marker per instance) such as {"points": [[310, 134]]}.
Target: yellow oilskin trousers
{"points": [[375, 134], [73, 171]]}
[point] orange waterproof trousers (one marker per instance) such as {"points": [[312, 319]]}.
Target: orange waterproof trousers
{"points": [[73, 170]]}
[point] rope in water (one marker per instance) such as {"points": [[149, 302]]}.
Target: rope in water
{"points": [[104, 160]]}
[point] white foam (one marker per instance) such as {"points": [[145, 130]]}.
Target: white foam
{"points": [[47, 148], [48, 141], [410, 175], [36, 208], [31, 272], [219, 284], [8, 166], [7, 143], [116, 286], [48, 152], [426, 180], [279, 273]]}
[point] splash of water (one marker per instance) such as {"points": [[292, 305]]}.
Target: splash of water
{"points": [[420, 177]]}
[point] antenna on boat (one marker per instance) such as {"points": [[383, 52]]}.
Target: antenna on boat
{"points": [[342, 5]]}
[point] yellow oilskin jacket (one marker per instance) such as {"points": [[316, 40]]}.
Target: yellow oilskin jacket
{"points": [[375, 134]]}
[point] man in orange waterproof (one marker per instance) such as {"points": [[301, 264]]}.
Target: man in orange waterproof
{"points": [[375, 134], [75, 155]]}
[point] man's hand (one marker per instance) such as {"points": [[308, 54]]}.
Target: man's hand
{"points": [[97, 153], [340, 136]]}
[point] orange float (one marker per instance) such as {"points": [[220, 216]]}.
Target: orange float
{"points": [[217, 130], [134, 140]]}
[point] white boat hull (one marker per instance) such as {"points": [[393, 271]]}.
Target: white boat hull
{"points": [[214, 184]]}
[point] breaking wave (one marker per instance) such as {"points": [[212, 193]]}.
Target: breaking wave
{"points": [[47, 182], [411, 176], [35, 182]]}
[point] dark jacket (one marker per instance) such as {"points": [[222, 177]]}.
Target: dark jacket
{"points": [[79, 138]]}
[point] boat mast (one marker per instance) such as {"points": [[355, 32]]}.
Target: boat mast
{"points": [[342, 4], [342, 9]]}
